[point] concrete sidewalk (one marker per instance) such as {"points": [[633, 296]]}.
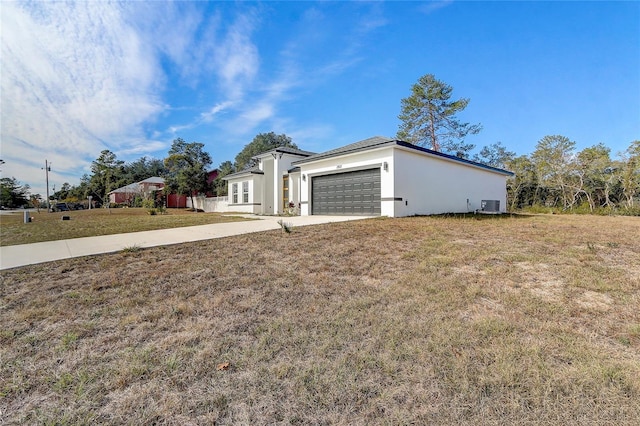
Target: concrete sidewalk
{"points": [[30, 254]]}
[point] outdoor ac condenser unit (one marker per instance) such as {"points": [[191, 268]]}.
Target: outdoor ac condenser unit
{"points": [[490, 206]]}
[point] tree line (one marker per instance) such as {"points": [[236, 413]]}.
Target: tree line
{"points": [[558, 177], [185, 171], [554, 176]]}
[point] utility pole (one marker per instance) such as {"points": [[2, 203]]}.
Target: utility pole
{"points": [[47, 169]]}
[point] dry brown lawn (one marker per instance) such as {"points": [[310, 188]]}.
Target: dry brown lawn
{"points": [[514, 320]]}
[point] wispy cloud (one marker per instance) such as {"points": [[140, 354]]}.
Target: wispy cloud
{"points": [[81, 77], [236, 57], [305, 64], [232, 59], [75, 79], [208, 116], [432, 6]]}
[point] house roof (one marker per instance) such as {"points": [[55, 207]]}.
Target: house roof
{"points": [[135, 187], [380, 142], [132, 187], [363, 145], [286, 150], [252, 171], [154, 179]]}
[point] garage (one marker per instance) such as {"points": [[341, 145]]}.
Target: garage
{"points": [[351, 193]]}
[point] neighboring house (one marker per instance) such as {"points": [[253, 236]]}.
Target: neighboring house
{"points": [[376, 176], [211, 176], [143, 189]]}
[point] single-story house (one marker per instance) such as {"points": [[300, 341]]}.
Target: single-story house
{"points": [[144, 188], [376, 176], [128, 193]]}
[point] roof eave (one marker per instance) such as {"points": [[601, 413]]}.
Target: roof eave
{"points": [[242, 174], [407, 145], [454, 158], [320, 157], [280, 150]]}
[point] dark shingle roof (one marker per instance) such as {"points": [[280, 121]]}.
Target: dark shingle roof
{"points": [[364, 145], [379, 141], [286, 150]]}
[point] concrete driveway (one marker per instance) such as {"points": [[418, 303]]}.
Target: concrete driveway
{"points": [[30, 254]]}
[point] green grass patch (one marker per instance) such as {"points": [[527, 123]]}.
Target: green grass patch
{"points": [[87, 223]]}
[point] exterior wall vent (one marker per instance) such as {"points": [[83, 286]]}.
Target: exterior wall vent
{"points": [[490, 206]]}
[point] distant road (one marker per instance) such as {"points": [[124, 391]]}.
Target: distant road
{"points": [[19, 211]]}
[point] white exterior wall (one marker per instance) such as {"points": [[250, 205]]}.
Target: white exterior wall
{"points": [[347, 163], [415, 183], [294, 188], [268, 167], [274, 171], [432, 185], [255, 194], [211, 204]]}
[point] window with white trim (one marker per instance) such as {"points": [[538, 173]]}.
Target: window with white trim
{"points": [[245, 192], [234, 193]]}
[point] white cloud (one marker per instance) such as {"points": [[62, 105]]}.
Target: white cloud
{"points": [[78, 78], [236, 57], [432, 6], [229, 58], [215, 110], [258, 96], [75, 79]]}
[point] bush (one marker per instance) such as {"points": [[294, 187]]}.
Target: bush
{"points": [[584, 209], [148, 204]]}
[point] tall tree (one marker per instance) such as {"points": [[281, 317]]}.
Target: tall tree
{"points": [[12, 193], [219, 184], [143, 168], [429, 118], [107, 175], [522, 187], [63, 192], [187, 168], [553, 158], [592, 177], [261, 143], [495, 155], [81, 191], [630, 176]]}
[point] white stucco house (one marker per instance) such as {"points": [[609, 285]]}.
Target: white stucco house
{"points": [[377, 176]]}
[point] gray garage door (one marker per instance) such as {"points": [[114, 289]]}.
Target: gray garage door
{"points": [[351, 193]]}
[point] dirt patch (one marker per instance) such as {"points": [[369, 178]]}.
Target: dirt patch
{"points": [[541, 279], [595, 301]]}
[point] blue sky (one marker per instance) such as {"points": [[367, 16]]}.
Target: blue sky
{"points": [[77, 78]]}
